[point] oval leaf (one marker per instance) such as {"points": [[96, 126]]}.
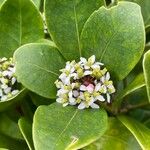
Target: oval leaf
{"points": [[9, 127], [11, 143], [37, 68], [116, 137], [65, 20], [145, 5], [26, 130], [137, 83], [116, 36], [146, 69], [9, 102], [22, 26], [74, 128], [37, 3], [141, 132]]}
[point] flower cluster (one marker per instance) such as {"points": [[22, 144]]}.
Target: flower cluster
{"points": [[84, 84], [7, 79]]}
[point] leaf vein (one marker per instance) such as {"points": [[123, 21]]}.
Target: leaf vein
{"points": [[77, 30], [107, 44], [75, 113], [49, 71]]}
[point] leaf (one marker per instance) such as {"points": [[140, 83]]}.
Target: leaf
{"points": [[46, 41], [39, 100], [145, 5], [116, 137], [9, 127], [9, 102], [73, 130], [37, 68], [141, 132], [65, 20], [26, 130], [11, 143], [37, 3], [137, 83], [1, 2], [22, 26], [146, 69], [10, 136], [116, 36]]}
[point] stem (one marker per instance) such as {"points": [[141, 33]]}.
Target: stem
{"points": [[107, 107], [131, 107]]}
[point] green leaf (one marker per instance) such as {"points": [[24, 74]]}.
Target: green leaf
{"points": [[39, 100], [26, 130], [65, 20], [37, 68], [116, 137], [145, 5], [22, 26], [56, 127], [137, 83], [1, 2], [9, 102], [9, 127], [37, 3], [141, 132], [146, 69], [11, 143], [46, 41], [116, 36], [10, 136]]}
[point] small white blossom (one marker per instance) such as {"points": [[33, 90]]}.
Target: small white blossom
{"points": [[84, 84], [7, 79]]}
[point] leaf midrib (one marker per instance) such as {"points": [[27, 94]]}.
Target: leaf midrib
{"points": [[49, 71], [63, 131], [77, 30], [107, 45]]}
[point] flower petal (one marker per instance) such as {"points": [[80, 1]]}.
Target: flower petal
{"points": [[95, 106], [100, 98], [81, 105], [83, 88], [108, 98]]}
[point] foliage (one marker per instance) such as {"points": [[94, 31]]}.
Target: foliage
{"points": [[42, 36]]}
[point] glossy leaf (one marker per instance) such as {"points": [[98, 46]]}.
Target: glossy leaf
{"points": [[37, 3], [46, 41], [37, 68], [116, 36], [26, 130], [145, 5], [1, 2], [141, 132], [56, 127], [117, 137], [137, 83], [146, 69], [65, 20], [11, 144], [9, 127], [24, 25], [10, 136], [9, 102], [39, 100]]}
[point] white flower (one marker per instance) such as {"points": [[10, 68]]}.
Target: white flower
{"points": [[7, 79], [84, 84], [81, 105], [100, 98], [14, 92], [93, 105]]}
